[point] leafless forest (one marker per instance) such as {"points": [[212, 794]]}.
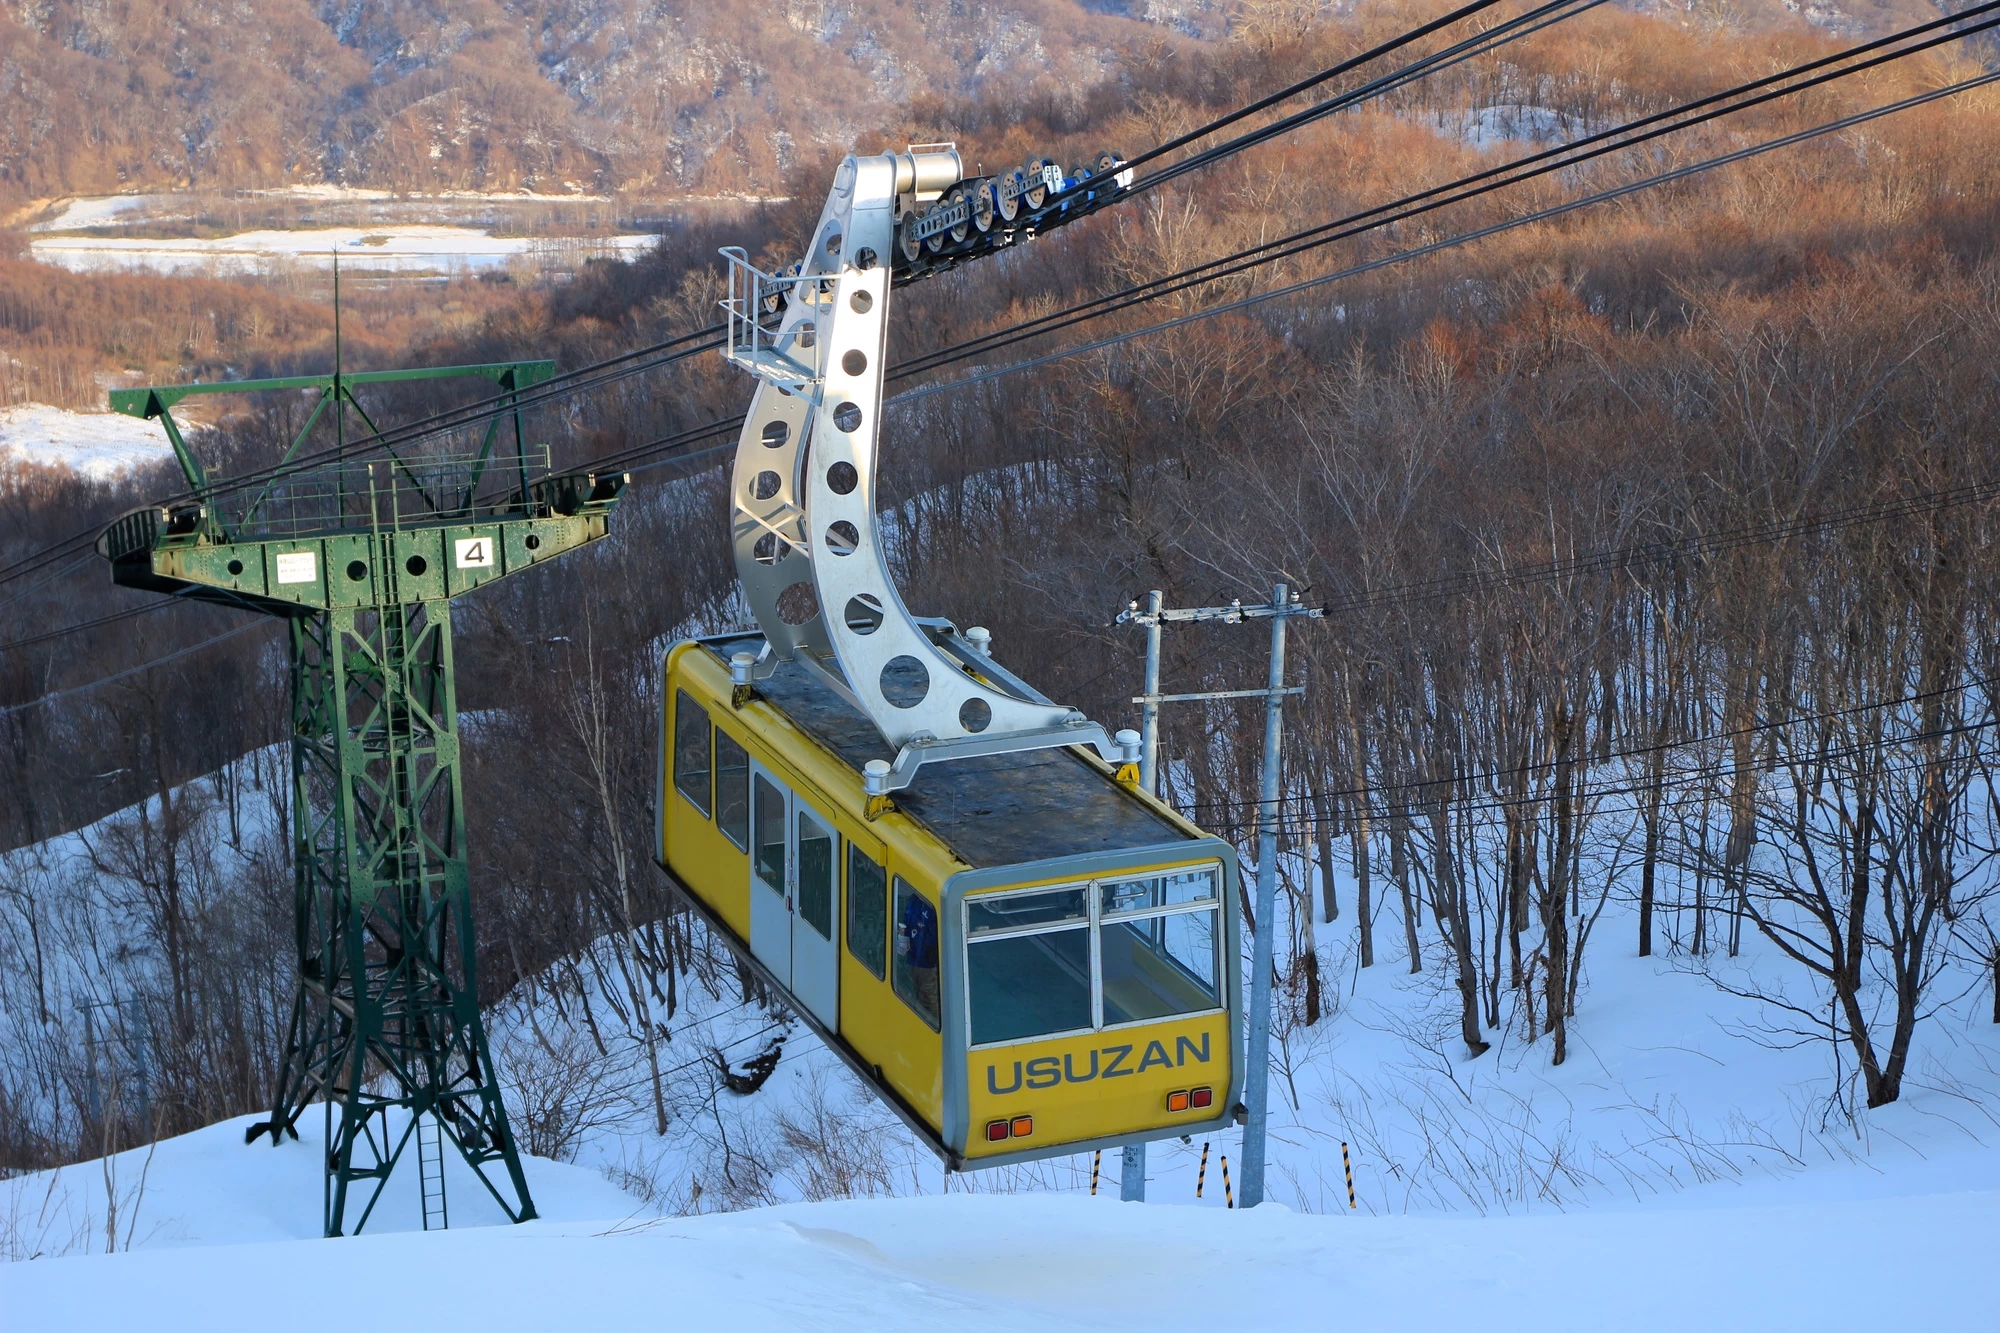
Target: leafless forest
{"points": [[1656, 543]]}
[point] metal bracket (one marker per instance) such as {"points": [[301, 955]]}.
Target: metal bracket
{"points": [[1214, 694], [809, 551], [921, 750]]}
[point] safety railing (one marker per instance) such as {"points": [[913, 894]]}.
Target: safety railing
{"points": [[758, 339]]}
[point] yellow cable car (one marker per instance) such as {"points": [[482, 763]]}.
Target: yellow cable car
{"points": [[1022, 954]]}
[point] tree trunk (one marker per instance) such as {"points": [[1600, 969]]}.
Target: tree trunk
{"points": [[1455, 919], [1555, 891], [1323, 845], [1650, 858], [1358, 832], [1399, 870]]}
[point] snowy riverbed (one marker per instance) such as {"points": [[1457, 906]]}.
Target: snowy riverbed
{"points": [[398, 248]]}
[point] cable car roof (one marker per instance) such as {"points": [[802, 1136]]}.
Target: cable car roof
{"points": [[994, 810]]}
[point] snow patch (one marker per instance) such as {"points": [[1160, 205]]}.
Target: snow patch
{"points": [[395, 248], [1492, 126], [97, 445]]}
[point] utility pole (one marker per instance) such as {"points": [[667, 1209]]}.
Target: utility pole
{"points": [[1283, 606], [1132, 1169], [1149, 752]]}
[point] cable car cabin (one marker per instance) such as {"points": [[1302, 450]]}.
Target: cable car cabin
{"points": [[1023, 955]]}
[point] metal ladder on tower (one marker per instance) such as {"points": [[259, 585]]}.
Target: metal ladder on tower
{"points": [[430, 1171]]}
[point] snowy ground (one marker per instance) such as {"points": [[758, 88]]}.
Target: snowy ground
{"points": [[1853, 1252], [119, 209], [400, 248], [99, 445], [1697, 1161]]}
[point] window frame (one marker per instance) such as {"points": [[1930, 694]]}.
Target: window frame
{"points": [[878, 968], [717, 739], [1095, 918], [804, 816], [757, 843], [934, 1022], [682, 703]]}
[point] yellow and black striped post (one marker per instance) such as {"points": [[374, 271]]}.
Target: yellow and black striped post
{"points": [[1201, 1175], [1228, 1195], [1347, 1167], [1096, 1161]]}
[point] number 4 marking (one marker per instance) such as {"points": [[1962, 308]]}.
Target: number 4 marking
{"points": [[473, 552]]}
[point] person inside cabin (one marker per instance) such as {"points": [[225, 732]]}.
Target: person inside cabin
{"points": [[917, 949]]}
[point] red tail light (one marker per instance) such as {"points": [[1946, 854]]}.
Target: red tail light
{"points": [[1023, 1126], [996, 1130], [1202, 1097]]}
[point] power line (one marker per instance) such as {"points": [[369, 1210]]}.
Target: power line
{"points": [[1543, 162], [714, 429], [1385, 215], [148, 665], [1311, 81], [1154, 291], [1708, 773], [112, 618], [1541, 766], [613, 369], [707, 339], [1477, 45]]}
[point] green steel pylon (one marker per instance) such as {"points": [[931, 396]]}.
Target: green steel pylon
{"points": [[362, 560]]}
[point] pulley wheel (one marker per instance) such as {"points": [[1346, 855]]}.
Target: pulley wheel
{"points": [[954, 197], [983, 211], [1008, 205], [1037, 192]]}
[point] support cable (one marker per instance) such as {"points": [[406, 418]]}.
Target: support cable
{"points": [[718, 428], [1756, 92], [613, 369]]}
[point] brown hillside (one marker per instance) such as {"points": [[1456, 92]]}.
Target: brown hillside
{"points": [[549, 95]]}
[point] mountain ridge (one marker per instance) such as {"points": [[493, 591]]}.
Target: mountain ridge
{"points": [[549, 95]]}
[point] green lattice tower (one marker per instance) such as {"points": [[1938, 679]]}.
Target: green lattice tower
{"points": [[362, 560]]}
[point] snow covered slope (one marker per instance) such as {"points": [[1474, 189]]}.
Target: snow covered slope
{"points": [[1723, 1260], [1695, 1164], [99, 445]]}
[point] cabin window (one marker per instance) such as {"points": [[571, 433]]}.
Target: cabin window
{"points": [[1029, 984], [1159, 966], [1021, 911], [1157, 945], [916, 966], [732, 790], [769, 856], [691, 767], [817, 872], [867, 910], [1071, 959]]}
